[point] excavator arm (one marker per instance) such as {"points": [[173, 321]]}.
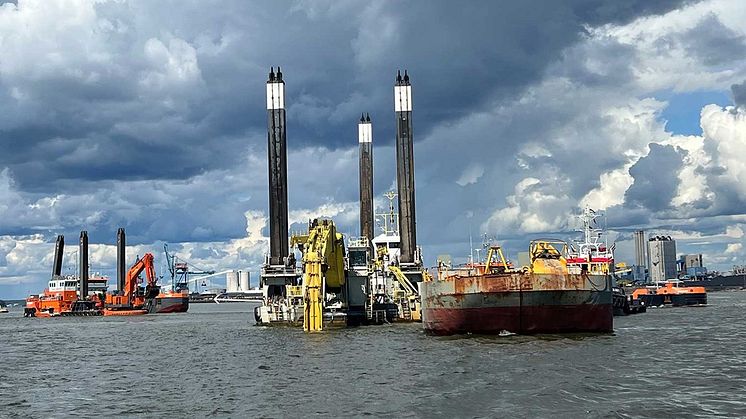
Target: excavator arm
{"points": [[130, 299], [144, 264], [323, 261]]}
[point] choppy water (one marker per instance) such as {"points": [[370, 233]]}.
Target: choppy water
{"points": [[212, 361]]}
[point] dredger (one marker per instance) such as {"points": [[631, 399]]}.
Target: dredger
{"points": [[371, 280]]}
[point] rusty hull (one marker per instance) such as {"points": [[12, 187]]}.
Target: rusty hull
{"points": [[518, 303]]}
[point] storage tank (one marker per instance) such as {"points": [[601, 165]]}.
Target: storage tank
{"points": [[231, 281], [244, 280]]}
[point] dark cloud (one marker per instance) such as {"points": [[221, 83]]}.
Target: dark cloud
{"points": [[714, 43], [155, 119], [168, 90], [739, 93], [655, 178]]}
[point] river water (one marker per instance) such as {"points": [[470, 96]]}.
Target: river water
{"points": [[213, 362]]}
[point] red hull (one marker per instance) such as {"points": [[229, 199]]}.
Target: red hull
{"points": [[175, 308], [518, 303], [178, 303], [592, 318]]}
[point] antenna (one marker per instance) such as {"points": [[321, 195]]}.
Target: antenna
{"points": [[471, 247]]}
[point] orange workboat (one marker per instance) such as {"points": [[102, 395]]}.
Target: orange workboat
{"points": [[669, 293], [68, 295], [60, 298]]}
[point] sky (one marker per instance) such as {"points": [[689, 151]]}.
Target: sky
{"points": [[151, 116]]}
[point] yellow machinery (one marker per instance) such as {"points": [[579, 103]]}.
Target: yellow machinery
{"points": [[548, 256], [500, 265], [323, 268], [408, 299]]}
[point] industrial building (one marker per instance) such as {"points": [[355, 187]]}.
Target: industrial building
{"points": [[662, 258], [691, 266]]}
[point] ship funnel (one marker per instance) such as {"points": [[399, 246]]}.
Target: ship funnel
{"points": [[83, 265], [277, 159], [121, 259], [59, 249], [365, 137], [405, 167]]}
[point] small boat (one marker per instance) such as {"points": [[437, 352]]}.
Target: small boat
{"points": [[239, 296], [3, 309], [671, 293]]}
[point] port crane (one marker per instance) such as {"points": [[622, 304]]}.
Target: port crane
{"points": [[180, 272]]}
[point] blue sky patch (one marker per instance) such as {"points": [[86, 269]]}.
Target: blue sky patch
{"points": [[682, 113]]}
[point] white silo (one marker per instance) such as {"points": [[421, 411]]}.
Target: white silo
{"points": [[231, 281], [244, 280]]}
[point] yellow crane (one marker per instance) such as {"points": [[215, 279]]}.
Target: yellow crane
{"points": [[323, 267]]}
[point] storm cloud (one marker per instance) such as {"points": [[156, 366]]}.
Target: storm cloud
{"points": [[151, 116]]}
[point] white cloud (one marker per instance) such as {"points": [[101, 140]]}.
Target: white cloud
{"points": [[534, 207], [471, 175], [527, 159], [733, 248]]}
